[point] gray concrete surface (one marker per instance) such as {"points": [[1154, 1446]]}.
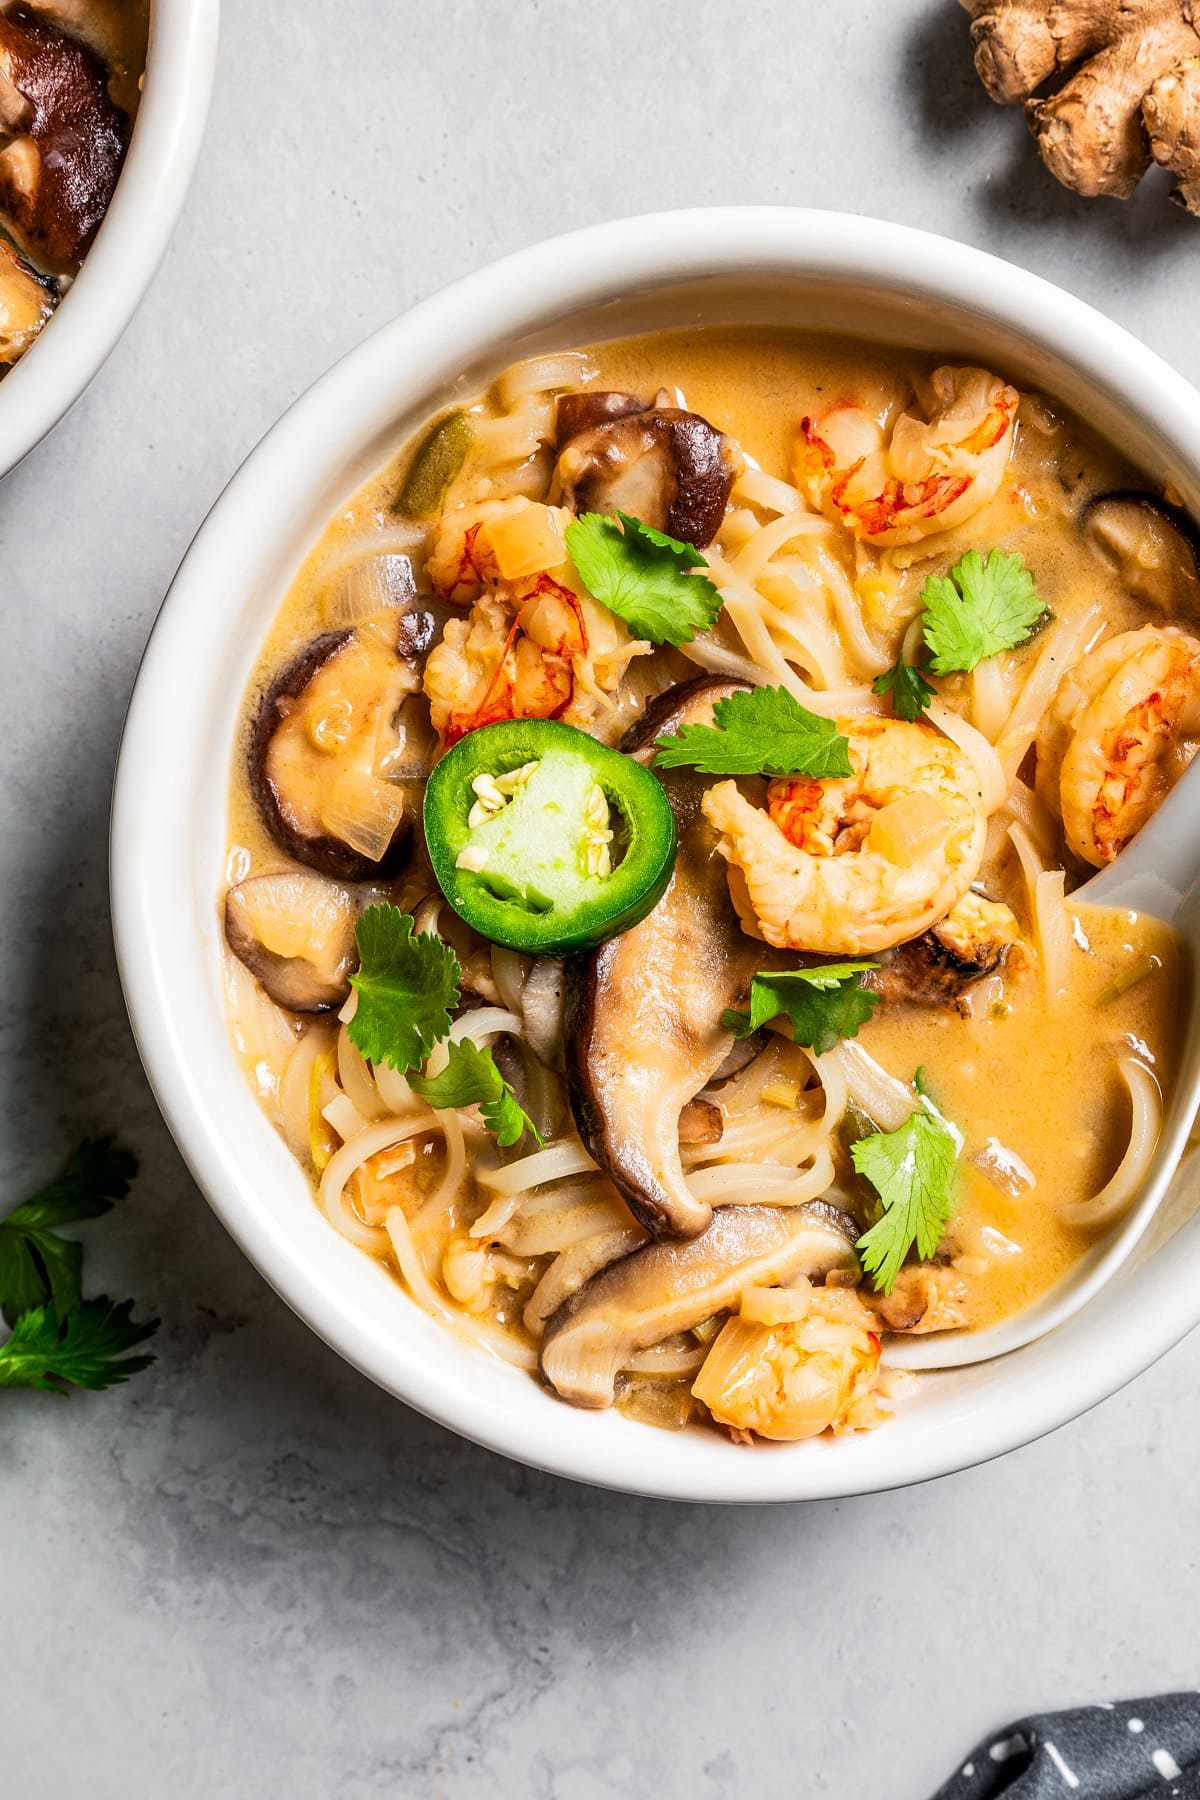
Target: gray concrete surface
{"points": [[250, 1574]]}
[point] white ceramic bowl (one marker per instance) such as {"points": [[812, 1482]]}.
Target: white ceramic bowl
{"points": [[130, 244], [169, 822]]}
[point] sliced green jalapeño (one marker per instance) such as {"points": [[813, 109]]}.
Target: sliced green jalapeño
{"points": [[545, 840]]}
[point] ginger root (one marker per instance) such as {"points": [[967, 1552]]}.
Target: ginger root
{"points": [[1134, 94]]}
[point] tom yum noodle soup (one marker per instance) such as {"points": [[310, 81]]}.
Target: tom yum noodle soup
{"points": [[70, 79], [653, 843]]}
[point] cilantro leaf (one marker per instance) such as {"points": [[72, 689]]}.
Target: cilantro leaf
{"points": [[471, 1078], [763, 732], [980, 608], [88, 1349], [910, 691], [37, 1266], [643, 576], [406, 987], [824, 1004], [914, 1172]]}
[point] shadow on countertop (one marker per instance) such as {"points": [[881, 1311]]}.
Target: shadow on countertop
{"points": [[959, 120]]}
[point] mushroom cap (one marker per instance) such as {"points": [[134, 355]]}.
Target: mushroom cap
{"points": [[57, 179], [665, 1288], [1154, 547], [669, 468], [292, 781], [643, 1014], [295, 933]]}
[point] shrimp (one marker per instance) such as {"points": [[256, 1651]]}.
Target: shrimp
{"points": [[934, 473], [1123, 728], [796, 1380], [846, 866], [478, 547], [513, 657]]}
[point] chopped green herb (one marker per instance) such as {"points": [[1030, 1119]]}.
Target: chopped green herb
{"points": [[983, 606], [825, 1004], [914, 1172], [762, 732], [37, 1266], [910, 691], [86, 1350], [643, 576], [406, 987], [471, 1078]]}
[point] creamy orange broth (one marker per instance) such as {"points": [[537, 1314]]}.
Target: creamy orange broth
{"points": [[1039, 1078]]}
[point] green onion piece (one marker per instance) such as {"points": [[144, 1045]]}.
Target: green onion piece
{"points": [[435, 465]]}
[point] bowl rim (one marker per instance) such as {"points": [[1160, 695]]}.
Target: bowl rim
{"points": [[1056, 1378], [132, 240]]}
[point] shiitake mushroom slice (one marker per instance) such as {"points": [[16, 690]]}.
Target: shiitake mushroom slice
{"points": [[643, 1024], [295, 933], [58, 172], [669, 468], [575, 413], [1154, 546], [315, 763]]}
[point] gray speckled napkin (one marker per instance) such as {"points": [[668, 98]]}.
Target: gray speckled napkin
{"points": [[1137, 1748]]}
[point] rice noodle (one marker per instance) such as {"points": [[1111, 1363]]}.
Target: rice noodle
{"points": [[1022, 806], [551, 1164], [356, 1078], [667, 1359], [860, 646], [510, 970], [357, 1150], [483, 1022], [408, 1257], [718, 659], [797, 610], [541, 375], [1119, 1192], [754, 1183], [743, 608], [993, 784], [550, 1228], [1063, 644], [513, 438], [884, 1099], [344, 1116], [1046, 897], [767, 492], [990, 701], [750, 562]]}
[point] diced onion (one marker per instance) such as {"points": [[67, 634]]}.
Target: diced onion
{"points": [[369, 589], [362, 812]]}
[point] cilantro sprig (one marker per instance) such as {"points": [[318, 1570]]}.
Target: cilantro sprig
{"points": [[407, 986], [58, 1338], [471, 1078], [643, 576], [824, 1004], [910, 691], [36, 1265], [984, 605], [87, 1349], [914, 1170], [763, 732]]}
